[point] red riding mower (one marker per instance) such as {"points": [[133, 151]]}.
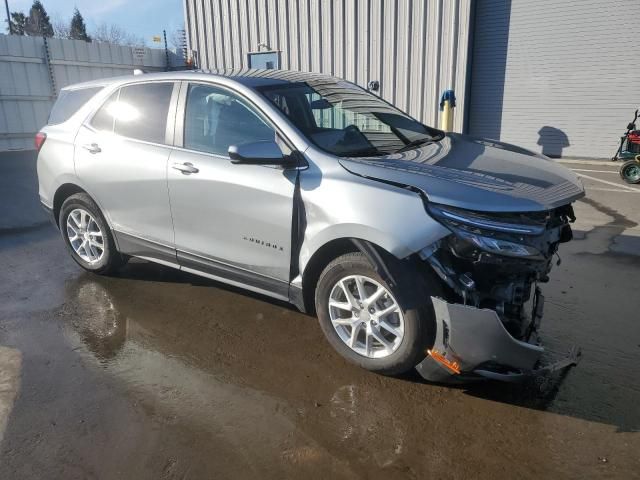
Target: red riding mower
{"points": [[629, 151]]}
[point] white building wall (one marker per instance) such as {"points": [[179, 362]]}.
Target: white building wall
{"points": [[415, 48], [557, 77]]}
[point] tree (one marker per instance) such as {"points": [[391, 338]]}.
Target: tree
{"points": [[110, 33], [18, 23], [77, 29], [61, 28], [38, 23]]}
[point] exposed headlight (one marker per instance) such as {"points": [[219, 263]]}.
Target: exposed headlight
{"points": [[497, 245], [491, 234]]}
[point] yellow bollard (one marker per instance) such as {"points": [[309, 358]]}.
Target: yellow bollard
{"points": [[447, 104]]}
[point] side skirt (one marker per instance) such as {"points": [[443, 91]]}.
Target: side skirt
{"points": [[233, 275], [204, 267]]}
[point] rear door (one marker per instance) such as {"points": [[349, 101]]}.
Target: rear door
{"points": [[231, 221], [121, 156]]}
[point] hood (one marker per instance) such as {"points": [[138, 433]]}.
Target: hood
{"points": [[476, 174]]}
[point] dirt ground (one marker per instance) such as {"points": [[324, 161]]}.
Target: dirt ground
{"points": [[156, 374]]}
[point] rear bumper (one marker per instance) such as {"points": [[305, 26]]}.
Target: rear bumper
{"points": [[49, 212], [472, 343]]}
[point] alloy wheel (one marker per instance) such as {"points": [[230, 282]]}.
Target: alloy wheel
{"points": [[366, 316], [85, 236]]}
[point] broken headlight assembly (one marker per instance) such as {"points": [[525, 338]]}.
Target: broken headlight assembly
{"points": [[492, 263], [492, 260], [496, 234]]}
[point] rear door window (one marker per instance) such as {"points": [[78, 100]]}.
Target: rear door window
{"points": [[103, 119], [69, 102], [141, 111], [137, 111]]}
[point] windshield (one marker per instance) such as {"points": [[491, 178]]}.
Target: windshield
{"points": [[343, 119]]}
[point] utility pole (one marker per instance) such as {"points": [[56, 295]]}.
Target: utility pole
{"points": [[6, 5]]}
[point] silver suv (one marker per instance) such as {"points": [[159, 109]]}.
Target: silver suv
{"points": [[414, 248]]}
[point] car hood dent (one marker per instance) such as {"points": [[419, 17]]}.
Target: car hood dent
{"points": [[476, 174]]}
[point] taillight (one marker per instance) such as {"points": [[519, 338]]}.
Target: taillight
{"points": [[39, 140]]}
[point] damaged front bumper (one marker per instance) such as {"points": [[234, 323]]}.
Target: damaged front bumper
{"points": [[472, 343]]}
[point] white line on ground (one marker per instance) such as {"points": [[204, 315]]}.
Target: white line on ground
{"points": [[586, 162], [594, 171], [624, 187], [598, 189]]}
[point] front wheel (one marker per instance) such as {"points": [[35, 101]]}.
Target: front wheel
{"points": [[630, 171], [87, 235], [383, 329]]}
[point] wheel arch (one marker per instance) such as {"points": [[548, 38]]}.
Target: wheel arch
{"points": [[331, 250], [63, 192]]}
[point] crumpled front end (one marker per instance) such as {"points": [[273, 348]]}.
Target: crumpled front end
{"points": [[492, 266]]}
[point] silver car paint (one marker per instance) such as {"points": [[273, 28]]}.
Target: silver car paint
{"points": [[337, 203], [236, 214], [476, 174], [129, 178], [341, 205]]}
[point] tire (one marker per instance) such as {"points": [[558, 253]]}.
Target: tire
{"points": [[411, 294], [102, 259], [630, 171]]}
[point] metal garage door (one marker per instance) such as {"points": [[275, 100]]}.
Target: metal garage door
{"points": [[558, 77]]}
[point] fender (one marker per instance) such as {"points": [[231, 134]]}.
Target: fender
{"points": [[376, 260]]}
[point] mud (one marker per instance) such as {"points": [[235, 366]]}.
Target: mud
{"points": [[154, 373]]}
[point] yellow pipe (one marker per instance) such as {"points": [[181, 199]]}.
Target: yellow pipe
{"points": [[447, 104], [446, 119]]}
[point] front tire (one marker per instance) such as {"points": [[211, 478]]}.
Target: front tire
{"points": [[87, 235], [381, 328]]}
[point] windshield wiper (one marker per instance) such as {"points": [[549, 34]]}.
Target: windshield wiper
{"points": [[415, 143]]}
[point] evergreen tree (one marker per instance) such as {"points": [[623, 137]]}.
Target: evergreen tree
{"points": [[78, 30], [18, 23], [38, 23]]}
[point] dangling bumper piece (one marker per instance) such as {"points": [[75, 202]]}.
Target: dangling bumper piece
{"points": [[472, 343]]}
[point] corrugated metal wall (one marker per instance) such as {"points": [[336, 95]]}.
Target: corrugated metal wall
{"points": [[26, 90], [559, 78], [415, 48]]}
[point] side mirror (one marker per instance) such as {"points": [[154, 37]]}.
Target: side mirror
{"points": [[266, 152]]}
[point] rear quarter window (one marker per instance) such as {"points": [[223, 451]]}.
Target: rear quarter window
{"points": [[69, 102]]}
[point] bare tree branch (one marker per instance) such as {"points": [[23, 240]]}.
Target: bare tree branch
{"points": [[60, 27], [111, 33]]}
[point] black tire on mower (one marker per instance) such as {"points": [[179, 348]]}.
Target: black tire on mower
{"points": [[630, 171]]}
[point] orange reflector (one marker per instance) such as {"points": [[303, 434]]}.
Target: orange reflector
{"points": [[438, 357]]}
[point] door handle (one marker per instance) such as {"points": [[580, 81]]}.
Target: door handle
{"points": [[92, 147], [186, 168]]}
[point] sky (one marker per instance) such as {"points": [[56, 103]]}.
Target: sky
{"points": [[143, 18]]}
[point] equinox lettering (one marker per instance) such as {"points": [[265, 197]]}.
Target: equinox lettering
{"points": [[263, 243]]}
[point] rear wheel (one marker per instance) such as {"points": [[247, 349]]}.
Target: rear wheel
{"points": [[630, 171], [383, 329], [87, 235]]}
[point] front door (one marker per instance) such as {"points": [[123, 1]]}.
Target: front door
{"points": [[231, 221], [121, 157]]}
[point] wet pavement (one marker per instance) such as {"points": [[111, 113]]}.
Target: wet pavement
{"points": [[153, 373]]}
